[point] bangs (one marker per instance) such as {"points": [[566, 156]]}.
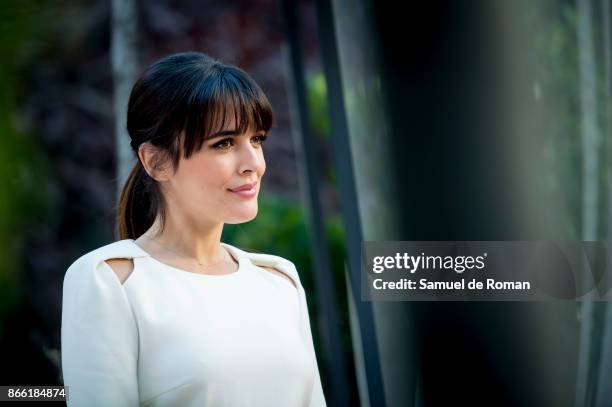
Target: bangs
{"points": [[227, 100]]}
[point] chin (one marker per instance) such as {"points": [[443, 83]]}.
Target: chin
{"points": [[242, 217]]}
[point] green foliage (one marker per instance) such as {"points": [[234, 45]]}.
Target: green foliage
{"points": [[316, 89], [22, 162]]}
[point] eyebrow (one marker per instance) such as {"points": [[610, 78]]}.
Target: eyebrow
{"points": [[224, 133]]}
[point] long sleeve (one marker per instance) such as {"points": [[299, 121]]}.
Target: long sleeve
{"points": [[99, 337]]}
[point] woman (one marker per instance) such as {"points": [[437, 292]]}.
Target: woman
{"points": [[170, 315]]}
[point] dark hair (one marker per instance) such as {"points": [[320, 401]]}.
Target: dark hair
{"points": [[176, 104]]}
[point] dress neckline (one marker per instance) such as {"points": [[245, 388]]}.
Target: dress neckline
{"points": [[235, 254]]}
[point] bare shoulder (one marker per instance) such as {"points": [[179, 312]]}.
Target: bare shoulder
{"points": [[122, 268], [279, 273]]}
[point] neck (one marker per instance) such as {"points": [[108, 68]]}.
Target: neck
{"points": [[186, 238]]}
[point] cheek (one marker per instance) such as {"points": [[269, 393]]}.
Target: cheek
{"points": [[216, 175], [204, 176], [262, 167]]}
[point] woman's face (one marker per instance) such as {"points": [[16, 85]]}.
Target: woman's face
{"points": [[203, 187]]}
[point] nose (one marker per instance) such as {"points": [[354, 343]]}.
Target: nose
{"points": [[251, 159]]}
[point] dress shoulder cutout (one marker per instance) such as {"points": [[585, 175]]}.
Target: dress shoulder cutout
{"points": [[269, 260], [122, 249], [122, 267]]}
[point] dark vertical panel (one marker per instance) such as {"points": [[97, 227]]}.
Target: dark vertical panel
{"points": [[334, 361], [348, 202], [452, 144]]}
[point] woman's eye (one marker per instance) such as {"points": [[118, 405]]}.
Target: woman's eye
{"points": [[223, 144], [228, 142], [259, 139]]}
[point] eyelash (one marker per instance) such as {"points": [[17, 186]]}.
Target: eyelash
{"points": [[220, 144]]}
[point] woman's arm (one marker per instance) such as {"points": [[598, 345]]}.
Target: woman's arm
{"points": [[99, 337]]}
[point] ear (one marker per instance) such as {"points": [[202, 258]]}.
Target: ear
{"points": [[154, 161]]}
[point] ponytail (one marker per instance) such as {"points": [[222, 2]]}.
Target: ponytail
{"points": [[139, 204]]}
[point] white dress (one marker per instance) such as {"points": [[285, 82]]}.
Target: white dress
{"points": [[168, 337]]}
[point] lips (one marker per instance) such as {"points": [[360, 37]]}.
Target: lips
{"points": [[244, 187]]}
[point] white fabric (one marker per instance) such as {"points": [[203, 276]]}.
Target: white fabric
{"points": [[168, 337]]}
